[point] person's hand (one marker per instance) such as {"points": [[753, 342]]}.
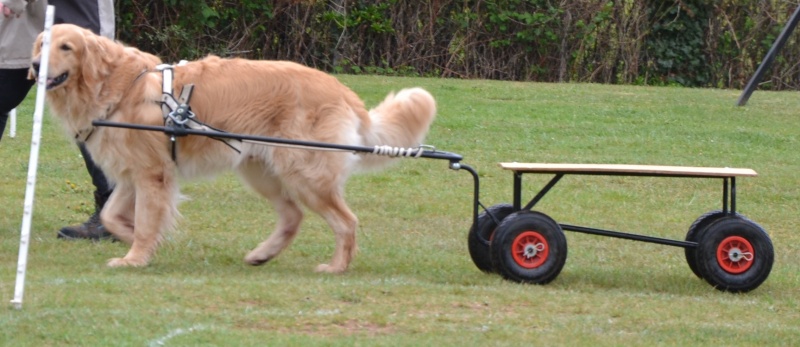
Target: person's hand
{"points": [[7, 11]]}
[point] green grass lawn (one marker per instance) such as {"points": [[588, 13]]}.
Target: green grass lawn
{"points": [[413, 282]]}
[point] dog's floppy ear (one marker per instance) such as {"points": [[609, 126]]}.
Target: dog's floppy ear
{"points": [[98, 57], [93, 64]]}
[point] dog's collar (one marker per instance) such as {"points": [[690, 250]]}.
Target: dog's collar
{"points": [[83, 135]]}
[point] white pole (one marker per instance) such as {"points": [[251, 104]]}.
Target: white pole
{"points": [[13, 131], [34, 160]]}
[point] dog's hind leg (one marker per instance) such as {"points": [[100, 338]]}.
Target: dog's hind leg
{"points": [[318, 182], [290, 215], [289, 218], [342, 221]]}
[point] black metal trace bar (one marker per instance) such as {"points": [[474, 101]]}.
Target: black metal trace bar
{"points": [[628, 236], [434, 154]]}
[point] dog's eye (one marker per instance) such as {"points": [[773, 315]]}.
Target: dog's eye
{"points": [[65, 47]]}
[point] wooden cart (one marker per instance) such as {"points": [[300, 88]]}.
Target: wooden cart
{"points": [[729, 251]]}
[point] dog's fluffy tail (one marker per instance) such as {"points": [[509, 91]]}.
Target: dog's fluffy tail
{"points": [[401, 120]]}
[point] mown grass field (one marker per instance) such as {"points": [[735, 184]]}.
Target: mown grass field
{"points": [[412, 282]]}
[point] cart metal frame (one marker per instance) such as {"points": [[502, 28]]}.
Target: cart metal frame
{"points": [[728, 176]]}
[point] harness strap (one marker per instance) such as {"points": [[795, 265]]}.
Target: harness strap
{"points": [[177, 112], [168, 103]]}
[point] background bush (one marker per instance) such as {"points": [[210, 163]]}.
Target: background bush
{"points": [[698, 43]]}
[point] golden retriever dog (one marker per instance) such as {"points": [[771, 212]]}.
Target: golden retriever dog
{"points": [[92, 78]]}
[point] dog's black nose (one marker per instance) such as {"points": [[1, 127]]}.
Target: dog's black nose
{"points": [[35, 67]]}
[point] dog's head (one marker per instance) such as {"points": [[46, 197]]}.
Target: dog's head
{"points": [[77, 56]]}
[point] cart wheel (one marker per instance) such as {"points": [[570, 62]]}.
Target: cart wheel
{"points": [[734, 254], [700, 224], [529, 247], [480, 235]]}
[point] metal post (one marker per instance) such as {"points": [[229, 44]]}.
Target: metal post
{"points": [[13, 131], [773, 51], [33, 162]]}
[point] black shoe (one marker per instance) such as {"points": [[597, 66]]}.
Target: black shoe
{"points": [[92, 229]]}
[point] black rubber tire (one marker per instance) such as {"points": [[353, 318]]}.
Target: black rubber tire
{"points": [[482, 232], [737, 276], [512, 247], [699, 225]]}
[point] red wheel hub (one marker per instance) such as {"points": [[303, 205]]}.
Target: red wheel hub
{"points": [[530, 249], [735, 254]]}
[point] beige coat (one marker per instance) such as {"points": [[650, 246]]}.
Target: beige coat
{"points": [[17, 34]]}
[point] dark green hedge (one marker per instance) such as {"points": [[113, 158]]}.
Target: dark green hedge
{"points": [[689, 42]]}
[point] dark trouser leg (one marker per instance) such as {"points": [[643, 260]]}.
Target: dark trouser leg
{"points": [[3, 121], [92, 228], [101, 188], [14, 87]]}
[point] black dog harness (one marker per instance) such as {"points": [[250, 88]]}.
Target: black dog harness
{"points": [[178, 114]]}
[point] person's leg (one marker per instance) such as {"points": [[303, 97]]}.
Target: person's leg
{"points": [[92, 228], [3, 121], [14, 87], [97, 16], [84, 14]]}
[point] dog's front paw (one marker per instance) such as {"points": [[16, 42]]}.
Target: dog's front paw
{"points": [[329, 269], [123, 262]]}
